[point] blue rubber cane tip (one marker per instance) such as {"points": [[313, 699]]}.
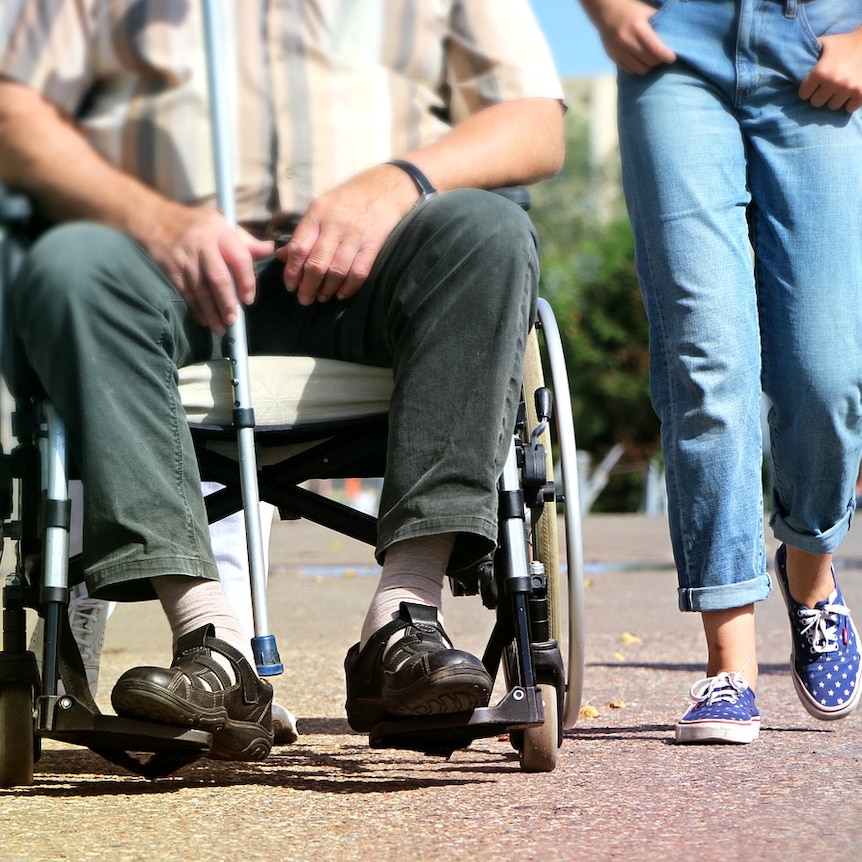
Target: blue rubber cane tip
{"points": [[266, 655]]}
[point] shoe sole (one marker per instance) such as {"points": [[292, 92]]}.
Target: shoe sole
{"points": [[453, 692], [815, 709], [812, 707], [365, 713], [232, 739], [727, 733], [448, 691]]}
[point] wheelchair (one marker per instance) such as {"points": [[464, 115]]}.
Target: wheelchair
{"points": [[325, 419]]}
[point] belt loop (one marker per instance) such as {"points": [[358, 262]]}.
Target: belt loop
{"points": [[790, 8]]}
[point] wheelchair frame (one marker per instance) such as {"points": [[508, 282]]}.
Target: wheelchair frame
{"points": [[522, 586], [521, 582]]}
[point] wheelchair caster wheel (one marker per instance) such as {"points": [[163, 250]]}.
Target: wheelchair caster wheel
{"points": [[16, 735], [539, 745]]}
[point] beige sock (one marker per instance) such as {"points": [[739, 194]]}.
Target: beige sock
{"points": [[413, 571], [190, 603]]}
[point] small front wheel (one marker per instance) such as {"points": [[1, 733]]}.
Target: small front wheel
{"points": [[539, 745], [16, 735]]}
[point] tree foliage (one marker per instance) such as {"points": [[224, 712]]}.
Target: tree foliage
{"points": [[589, 278]]}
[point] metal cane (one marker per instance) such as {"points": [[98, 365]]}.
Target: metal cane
{"points": [[220, 53]]}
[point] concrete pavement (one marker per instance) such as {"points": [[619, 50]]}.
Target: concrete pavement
{"points": [[620, 790]]}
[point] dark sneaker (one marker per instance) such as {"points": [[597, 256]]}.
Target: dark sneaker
{"points": [[419, 674], [824, 657], [196, 691], [723, 711]]}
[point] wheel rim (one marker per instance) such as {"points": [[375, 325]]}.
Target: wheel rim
{"points": [[565, 428]]}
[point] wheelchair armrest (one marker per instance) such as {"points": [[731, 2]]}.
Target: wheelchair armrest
{"points": [[17, 231], [15, 208], [517, 194]]}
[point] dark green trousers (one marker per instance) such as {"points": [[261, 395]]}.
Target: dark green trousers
{"points": [[448, 307]]}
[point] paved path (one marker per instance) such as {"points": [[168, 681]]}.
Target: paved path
{"points": [[620, 790]]}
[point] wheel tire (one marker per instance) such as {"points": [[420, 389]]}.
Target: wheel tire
{"points": [[539, 745], [547, 548], [566, 611], [16, 735]]}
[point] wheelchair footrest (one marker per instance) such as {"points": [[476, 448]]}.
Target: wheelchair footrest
{"points": [[442, 735], [66, 719]]}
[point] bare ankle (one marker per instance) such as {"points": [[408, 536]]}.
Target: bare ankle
{"points": [[730, 641], [809, 576]]}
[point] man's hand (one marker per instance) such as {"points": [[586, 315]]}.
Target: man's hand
{"points": [[627, 35], [209, 263], [836, 81], [196, 248], [335, 245]]}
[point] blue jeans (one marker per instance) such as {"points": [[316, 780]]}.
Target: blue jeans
{"points": [[745, 203]]}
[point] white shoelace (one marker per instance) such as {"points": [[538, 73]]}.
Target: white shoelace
{"points": [[820, 625], [726, 686]]}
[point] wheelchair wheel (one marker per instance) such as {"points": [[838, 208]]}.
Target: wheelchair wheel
{"points": [[547, 539], [539, 745], [16, 735]]}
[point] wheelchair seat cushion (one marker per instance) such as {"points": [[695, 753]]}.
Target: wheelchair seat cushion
{"points": [[287, 391]]}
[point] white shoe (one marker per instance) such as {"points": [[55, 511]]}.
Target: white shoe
{"points": [[283, 725], [87, 618]]}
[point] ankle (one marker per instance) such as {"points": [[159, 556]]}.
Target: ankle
{"points": [[190, 603], [810, 578], [413, 572], [730, 641]]}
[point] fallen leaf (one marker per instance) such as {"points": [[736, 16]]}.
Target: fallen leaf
{"points": [[629, 638], [616, 704], [588, 711], [618, 656]]}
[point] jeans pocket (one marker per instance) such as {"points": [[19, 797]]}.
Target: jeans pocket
{"points": [[828, 19], [663, 7]]}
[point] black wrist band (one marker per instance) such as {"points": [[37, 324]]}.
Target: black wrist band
{"points": [[426, 190]]}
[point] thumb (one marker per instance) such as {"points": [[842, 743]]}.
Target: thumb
{"points": [[257, 248]]}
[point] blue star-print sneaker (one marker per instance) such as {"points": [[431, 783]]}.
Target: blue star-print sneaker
{"points": [[723, 711], [827, 672]]}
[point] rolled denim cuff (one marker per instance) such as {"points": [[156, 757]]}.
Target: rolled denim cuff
{"points": [[724, 596]]}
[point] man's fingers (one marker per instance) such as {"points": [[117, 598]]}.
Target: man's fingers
{"points": [[360, 269], [345, 273], [295, 254], [199, 300], [239, 265], [257, 248], [216, 290], [309, 270]]}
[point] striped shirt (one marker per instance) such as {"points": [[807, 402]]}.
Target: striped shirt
{"points": [[326, 88]]}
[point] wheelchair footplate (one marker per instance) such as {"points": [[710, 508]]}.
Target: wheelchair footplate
{"points": [[442, 735], [165, 748]]}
